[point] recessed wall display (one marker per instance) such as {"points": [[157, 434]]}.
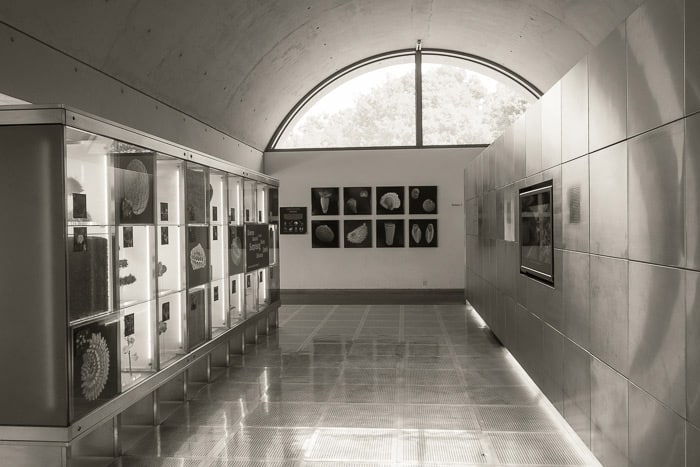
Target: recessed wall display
{"points": [[390, 200], [257, 247], [198, 193], [536, 245], [390, 233], [197, 256], [324, 201], [293, 220], [357, 201], [422, 233], [134, 183], [422, 200], [358, 233], [325, 234]]}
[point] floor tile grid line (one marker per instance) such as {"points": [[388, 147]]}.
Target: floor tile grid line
{"points": [[361, 324], [489, 449], [318, 327], [282, 323]]}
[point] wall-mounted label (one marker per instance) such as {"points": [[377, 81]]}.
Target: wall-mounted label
{"points": [[214, 214], [128, 233], [164, 236], [293, 220], [257, 248], [129, 325], [79, 206], [165, 312], [163, 212]]}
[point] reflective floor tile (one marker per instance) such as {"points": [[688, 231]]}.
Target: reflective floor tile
{"points": [[364, 393], [369, 376], [432, 377], [206, 413], [352, 444], [430, 363], [282, 414], [128, 461], [440, 417], [360, 416], [434, 395], [493, 378], [504, 395], [226, 390], [242, 463], [378, 362], [310, 375], [170, 441], [297, 392], [511, 418], [467, 362], [428, 350], [361, 349], [442, 447], [535, 448], [267, 444], [326, 348]]}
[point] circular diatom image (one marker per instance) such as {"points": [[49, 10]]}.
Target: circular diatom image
{"points": [[95, 368]]}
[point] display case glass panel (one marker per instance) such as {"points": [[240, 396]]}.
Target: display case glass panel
{"points": [[170, 268], [89, 254], [263, 288], [236, 299], [134, 185], [95, 365], [170, 327], [250, 196], [219, 198], [262, 203], [274, 283], [135, 265], [274, 243], [235, 200], [219, 307], [197, 316], [171, 190], [251, 293], [89, 179], [198, 193], [137, 343], [197, 256], [273, 205], [218, 239]]}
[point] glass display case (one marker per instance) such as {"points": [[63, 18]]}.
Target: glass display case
{"points": [[262, 203], [141, 258]]}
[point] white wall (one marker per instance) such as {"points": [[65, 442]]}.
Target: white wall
{"points": [[374, 268]]}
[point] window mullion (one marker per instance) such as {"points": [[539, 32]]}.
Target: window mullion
{"points": [[419, 96]]}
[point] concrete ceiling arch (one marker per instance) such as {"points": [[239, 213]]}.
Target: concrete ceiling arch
{"points": [[240, 65]]}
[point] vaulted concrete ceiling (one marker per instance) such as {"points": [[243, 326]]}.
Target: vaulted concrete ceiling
{"points": [[240, 65]]}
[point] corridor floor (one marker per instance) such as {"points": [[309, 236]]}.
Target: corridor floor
{"points": [[380, 385]]}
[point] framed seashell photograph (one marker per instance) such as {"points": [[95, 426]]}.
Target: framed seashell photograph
{"points": [[422, 233], [325, 234], [390, 233], [236, 263], [422, 200], [197, 258], [357, 201], [324, 201], [358, 233], [134, 188], [197, 193], [390, 200]]}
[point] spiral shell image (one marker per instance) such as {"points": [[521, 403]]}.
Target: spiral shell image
{"points": [[198, 257], [358, 234], [416, 233], [351, 205], [136, 188], [428, 205], [94, 371], [324, 233], [429, 233], [390, 201], [236, 251]]}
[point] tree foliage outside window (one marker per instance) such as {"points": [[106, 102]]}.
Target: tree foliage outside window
{"points": [[460, 106]]}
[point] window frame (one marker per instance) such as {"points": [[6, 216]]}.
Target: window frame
{"points": [[417, 53]]}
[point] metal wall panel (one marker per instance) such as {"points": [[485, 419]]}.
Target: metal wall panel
{"points": [[34, 252], [609, 415], [574, 112], [574, 187], [551, 127], [499, 218], [508, 160], [492, 168], [656, 223], [692, 456], [607, 85], [510, 212], [533, 146], [609, 311], [530, 341], [655, 69], [554, 174], [692, 329], [519, 140], [577, 390], [656, 434], [553, 366], [499, 150], [608, 194], [657, 332], [692, 60], [692, 191], [576, 289]]}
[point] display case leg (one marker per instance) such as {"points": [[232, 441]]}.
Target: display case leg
{"points": [[101, 442], [170, 397], [144, 412]]}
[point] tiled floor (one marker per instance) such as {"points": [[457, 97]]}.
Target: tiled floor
{"points": [[366, 386]]}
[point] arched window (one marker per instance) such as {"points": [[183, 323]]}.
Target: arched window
{"points": [[408, 99]]}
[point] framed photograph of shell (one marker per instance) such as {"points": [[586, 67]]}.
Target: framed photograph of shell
{"points": [[390, 233], [236, 252], [358, 233], [197, 258], [422, 233], [390, 200], [134, 187], [325, 234], [95, 365], [324, 201], [422, 200], [357, 201], [198, 193]]}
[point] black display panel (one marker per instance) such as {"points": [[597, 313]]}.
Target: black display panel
{"points": [[536, 236], [257, 248]]}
